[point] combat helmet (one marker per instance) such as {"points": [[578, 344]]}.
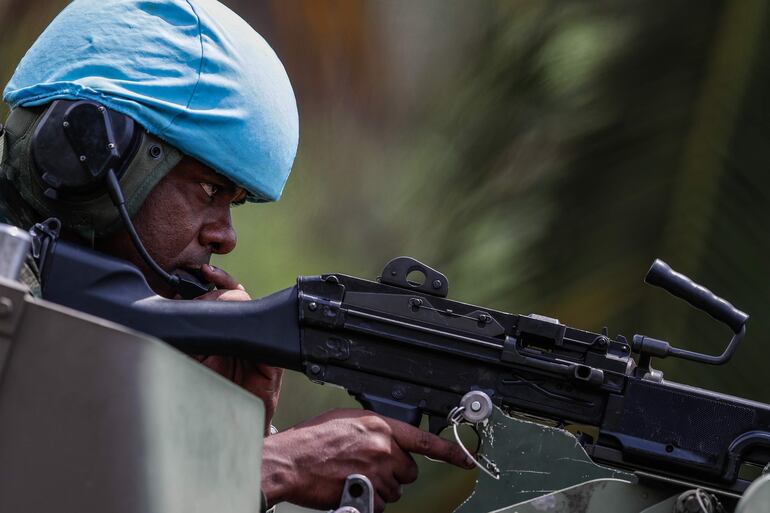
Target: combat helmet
{"points": [[193, 76]]}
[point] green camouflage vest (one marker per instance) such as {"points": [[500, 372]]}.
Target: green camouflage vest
{"points": [[13, 211]]}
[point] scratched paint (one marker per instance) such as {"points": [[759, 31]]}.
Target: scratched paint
{"points": [[534, 460]]}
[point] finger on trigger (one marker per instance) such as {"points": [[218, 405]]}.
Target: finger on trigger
{"points": [[416, 440]]}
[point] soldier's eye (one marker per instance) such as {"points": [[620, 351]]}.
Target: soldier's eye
{"points": [[210, 189]]}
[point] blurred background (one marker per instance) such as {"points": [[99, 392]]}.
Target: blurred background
{"points": [[539, 153]]}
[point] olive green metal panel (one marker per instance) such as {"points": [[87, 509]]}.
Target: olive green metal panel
{"points": [[545, 470], [600, 496], [533, 460], [756, 499], [96, 418]]}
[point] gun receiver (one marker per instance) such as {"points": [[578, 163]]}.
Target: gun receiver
{"points": [[403, 350]]}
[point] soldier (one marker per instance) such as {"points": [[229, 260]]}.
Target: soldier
{"points": [[221, 129]]}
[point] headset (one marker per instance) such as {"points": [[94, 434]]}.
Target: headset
{"points": [[80, 148]]}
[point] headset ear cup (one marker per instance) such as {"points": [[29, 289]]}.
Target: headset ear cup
{"points": [[89, 213], [74, 145]]}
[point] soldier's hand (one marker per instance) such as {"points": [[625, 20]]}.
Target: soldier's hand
{"points": [[259, 379], [227, 287], [307, 464]]}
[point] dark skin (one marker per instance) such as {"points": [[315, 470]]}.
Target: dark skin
{"points": [[183, 221]]}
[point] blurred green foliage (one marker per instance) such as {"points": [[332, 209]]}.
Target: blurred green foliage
{"points": [[539, 153]]}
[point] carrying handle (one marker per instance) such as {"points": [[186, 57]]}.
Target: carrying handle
{"points": [[661, 275]]}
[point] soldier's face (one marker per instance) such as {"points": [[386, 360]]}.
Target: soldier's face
{"points": [[182, 222]]}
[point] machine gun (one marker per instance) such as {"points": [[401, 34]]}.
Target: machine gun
{"points": [[404, 350]]}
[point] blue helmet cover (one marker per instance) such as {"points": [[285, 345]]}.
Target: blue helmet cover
{"points": [[191, 72]]}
